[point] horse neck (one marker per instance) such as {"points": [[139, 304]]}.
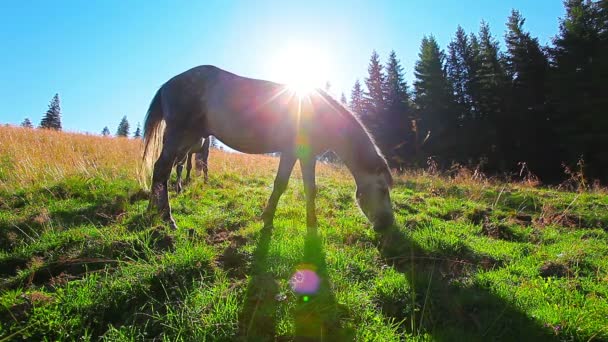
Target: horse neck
{"points": [[358, 153]]}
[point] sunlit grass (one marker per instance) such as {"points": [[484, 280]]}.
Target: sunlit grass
{"points": [[470, 258]]}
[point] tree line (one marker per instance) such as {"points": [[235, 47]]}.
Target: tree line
{"points": [[52, 120], [542, 108]]}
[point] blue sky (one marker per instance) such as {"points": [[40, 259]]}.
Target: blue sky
{"points": [[107, 58]]}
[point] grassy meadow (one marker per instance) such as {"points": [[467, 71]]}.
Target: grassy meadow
{"points": [[468, 260]]}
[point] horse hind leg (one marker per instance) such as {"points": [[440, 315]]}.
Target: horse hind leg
{"points": [[178, 183], [188, 166], [205, 158], [162, 171]]}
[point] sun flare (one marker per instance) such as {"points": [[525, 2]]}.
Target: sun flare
{"points": [[302, 68]]}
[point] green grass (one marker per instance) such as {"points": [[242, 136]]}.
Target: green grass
{"points": [[80, 259]]}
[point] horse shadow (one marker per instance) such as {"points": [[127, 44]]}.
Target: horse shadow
{"points": [[317, 315], [449, 308]]}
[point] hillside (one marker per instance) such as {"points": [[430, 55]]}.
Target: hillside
{"points": [[467, 260]]}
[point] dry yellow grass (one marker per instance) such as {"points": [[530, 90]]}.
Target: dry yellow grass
{"points": [[30, 157], [37, 156]]}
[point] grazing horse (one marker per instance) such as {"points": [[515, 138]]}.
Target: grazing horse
{"points": [[202, 149], [257, 116]]}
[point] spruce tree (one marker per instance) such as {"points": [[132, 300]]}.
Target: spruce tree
{"points": [[399, 136], [137, 132], [27, 123], [432, 97], [105, 131], [374, 98], [123, 128], [356, 99], [461, 71], [52, 118], [528, 127], [491, 91], [579, 87], [343, 99]]}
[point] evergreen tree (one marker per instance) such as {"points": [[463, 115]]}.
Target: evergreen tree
{"points": [[528, 127], [123, 128], [491, 91], [399, 136], [137, 132], [460, 67], [52, 118], [105, 132], [356, 99], [374, 98], [579, 87], [27, 123], [432, 96], [343, 99]]}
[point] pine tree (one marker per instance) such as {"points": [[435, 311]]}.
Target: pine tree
{"points": [[374, 98], [528, 126], [356, 99], [137, 132], [433, 96], [52, 118], [343, 99], [395, 87], [123, 128], [27, 123], [460, 71], [491, 91], [399, 136], [105, 132], [579, 87]]}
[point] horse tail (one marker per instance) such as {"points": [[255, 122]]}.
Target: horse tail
{"points": [[154, 128]]}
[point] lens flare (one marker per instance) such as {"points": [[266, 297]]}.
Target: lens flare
{"points": [[305, 280]]}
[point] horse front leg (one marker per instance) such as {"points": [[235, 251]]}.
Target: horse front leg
{"points": [[280, 184], [188, 166], [310, 189], [178, 182]]}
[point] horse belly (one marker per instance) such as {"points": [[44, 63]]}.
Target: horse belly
{"points": [[246, 133]]}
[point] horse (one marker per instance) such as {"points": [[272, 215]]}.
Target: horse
{"points": [[259, 116], [201, 148]]}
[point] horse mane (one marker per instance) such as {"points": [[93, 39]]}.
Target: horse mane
{"points": [[379, 163]]}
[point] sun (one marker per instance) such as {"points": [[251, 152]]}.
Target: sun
{"points": [[301, 67]]}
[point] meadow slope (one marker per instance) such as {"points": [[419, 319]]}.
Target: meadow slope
{"points": [[467, 260]]}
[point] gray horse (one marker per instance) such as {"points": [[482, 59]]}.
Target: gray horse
{"points": [[257, 116], [200, 150]]}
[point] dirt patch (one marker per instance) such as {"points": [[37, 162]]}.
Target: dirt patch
{"points": [[478, 216], [451, 215], [497, 231], [553, 269], [139, 196], [9, 267], [161, 241], [63, 270], [234, 262], [559, 219], [523, 220], [42, 217]]}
